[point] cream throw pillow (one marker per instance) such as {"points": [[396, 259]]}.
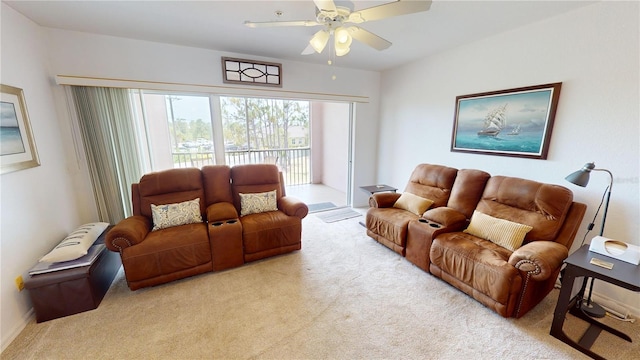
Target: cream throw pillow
{"points": [[76, 244], [505, 233], [168, 215], [258, 203], [413, 203]]}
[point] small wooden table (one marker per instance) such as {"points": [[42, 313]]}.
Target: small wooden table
{"points": [[372, 189], [622, 274]]}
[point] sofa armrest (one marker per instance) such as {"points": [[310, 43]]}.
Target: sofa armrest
{"points": [[293, 207], [540, 259], [446, 217], [128, 232], [383, 199], [221, 211]]}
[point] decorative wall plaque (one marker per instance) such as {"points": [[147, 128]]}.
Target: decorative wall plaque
{"points": [[242, 71]]}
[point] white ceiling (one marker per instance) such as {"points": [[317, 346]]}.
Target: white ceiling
{"points": [[219, 25]]}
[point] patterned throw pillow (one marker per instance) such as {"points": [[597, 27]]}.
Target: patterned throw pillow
{"points": [[413, 203], [505, 233], [76, 244], [258, 203], [169, 215]]}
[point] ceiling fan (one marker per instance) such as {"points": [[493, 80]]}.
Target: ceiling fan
{"points": [[334, 20]]}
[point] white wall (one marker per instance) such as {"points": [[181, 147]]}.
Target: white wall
{"points": [[335, 151], [593, 51], [39, 205]]}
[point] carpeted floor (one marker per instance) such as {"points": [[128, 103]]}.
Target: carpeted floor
{"points": [[343, 296]]}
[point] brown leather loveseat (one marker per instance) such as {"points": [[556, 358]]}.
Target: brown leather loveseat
{"points": [[500, 240], [190, 221]]}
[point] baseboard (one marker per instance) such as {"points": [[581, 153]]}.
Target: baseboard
{"points": [[13, 334], [617, 306], [610, 303]]}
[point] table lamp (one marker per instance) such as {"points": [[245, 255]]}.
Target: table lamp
{"points": [[581, 178]]}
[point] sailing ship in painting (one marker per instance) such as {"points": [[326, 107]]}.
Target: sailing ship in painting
{"points": [[494, 122]]}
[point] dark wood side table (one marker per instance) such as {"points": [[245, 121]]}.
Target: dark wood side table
{"points": [[578, 264], [378, 188]]}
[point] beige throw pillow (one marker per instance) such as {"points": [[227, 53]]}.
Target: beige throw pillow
{"points": [[413, 203], [505, 233], [258, 203], [168, 215], [76, 244]]}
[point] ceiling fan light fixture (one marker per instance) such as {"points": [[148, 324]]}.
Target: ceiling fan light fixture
{"points": [[319, 40], [342, 50], [342, 36], [342, 41]]}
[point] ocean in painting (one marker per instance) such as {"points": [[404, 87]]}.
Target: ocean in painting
{"points": [[10, 140], [525, 142]]}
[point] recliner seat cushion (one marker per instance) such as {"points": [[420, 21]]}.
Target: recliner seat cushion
{"points": [[478, 263], [269, 230], [167, 251], [390, 223]]}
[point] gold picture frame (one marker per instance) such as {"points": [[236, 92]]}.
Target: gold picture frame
{"points": [[17, 146]]}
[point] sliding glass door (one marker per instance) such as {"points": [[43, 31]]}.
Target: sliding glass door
{"points": [[187, 130]]}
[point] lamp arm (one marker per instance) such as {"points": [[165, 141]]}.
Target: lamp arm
{"points": [[606, 204]]}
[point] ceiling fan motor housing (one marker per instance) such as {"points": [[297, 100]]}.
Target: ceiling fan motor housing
{"points": [[333, 19]]}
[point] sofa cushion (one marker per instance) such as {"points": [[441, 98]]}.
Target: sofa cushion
{"points": [[270, 230], [258, 202], [480, 264], [413, 203], [390, 224], [543, 206], [168, 251], [76, 244], [167, 187], [502, 232], [168, 215], [432, 182]]}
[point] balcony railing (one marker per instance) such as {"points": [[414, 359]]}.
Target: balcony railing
{"points": [[295, 164]]}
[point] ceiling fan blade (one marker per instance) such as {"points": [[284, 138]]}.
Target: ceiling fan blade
{"points": [[396, 8], [325, 5], [368, 38], [254, 24]]}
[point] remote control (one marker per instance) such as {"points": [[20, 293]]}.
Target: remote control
{"points": [[602, 263]]}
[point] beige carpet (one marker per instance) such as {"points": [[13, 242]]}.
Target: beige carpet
{"points": [[343, 296]]}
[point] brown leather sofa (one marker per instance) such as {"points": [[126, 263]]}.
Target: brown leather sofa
{"points": [[218, 242], [510, 282]]}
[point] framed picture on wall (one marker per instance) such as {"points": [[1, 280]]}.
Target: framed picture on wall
{"points": [[17, 145], [514, 122]]}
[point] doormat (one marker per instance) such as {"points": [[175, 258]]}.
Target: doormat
{"points": [[338, 214], [321, 206]]}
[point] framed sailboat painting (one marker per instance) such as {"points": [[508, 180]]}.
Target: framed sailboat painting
{"points": [[514, 122]]}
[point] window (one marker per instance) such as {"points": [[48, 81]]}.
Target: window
{"points": [[180, 132], [268, 130]]}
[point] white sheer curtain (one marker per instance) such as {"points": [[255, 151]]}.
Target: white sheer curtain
{"points": [[108, 129]]}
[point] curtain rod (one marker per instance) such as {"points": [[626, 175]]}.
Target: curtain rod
{"points": [[202, 88]]}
